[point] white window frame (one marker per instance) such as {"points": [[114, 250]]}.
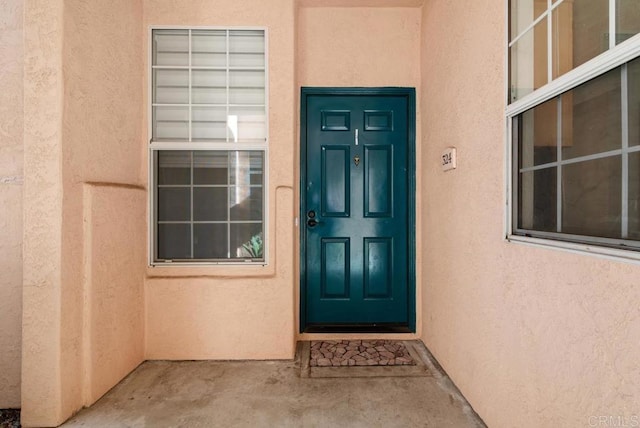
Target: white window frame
{"points": [[616, 56], [211, 146]]}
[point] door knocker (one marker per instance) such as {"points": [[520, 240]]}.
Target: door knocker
{"points": [[356, 160]]}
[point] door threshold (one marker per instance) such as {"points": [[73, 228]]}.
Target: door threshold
{"points": [[357, 328]]}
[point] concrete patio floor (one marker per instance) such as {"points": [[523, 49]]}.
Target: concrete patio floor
{"points": [[272, 394]]}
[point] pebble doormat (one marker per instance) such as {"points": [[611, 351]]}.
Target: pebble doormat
{"points": [[359, 353], [360, 358]]}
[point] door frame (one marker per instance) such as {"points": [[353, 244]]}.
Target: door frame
{"points": [[410, 95]]}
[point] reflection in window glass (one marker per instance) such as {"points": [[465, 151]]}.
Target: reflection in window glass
{"points": [[537, 201], [580, 33], [539, 134], [209, 204], [209, 242], [628, 19], [594, 110], [528, 57], [591, 197], [576, 174], [634, 196], [174, 241], [523, 13], [174, 167], [633, 93]]}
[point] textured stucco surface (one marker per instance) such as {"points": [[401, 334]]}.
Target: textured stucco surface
{"points": [[358, 46], [83, 122], [532, 337], [11, 180], [235, 312], [103, 229], [42, 240], [360, 3], [113, 285], [102, 66]]}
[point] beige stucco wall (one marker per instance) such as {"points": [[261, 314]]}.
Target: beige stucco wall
{"points": [[356, 46], [84, 216], [11, 179], [532, 337], [42, 243], [114, 256], [552, 337], [235, 312]]}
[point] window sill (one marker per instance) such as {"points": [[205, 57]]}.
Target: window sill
{"points": [[211, 270], [576, 248]]}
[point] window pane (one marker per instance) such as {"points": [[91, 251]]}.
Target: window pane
{"points": [[174, 241], [634, 196], [537, 200], [528, 57], [170, 47], [633, 73], [170, 123], [580, 32], [595, 117], [246, 48], [523, 13], [591, 198], [209, 124], [538, 135], [219, 77], [209, 87], [226, 198], [247, 124], [210, 204], [174, 167], [171, 86], [246, 240], [245, 203], [628, 19], [246, 167], [210, 167], [174, 203], [246, 87], [210, 241], [209, 48]]}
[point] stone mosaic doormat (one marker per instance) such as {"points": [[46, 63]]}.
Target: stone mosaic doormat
{"points": [[360, 358]]}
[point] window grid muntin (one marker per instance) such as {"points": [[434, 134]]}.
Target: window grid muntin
{"points": [[228, 69], [569, 79], [157, 146], [623, 152], [191, 222]]}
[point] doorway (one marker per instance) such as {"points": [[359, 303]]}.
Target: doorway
{"points": [[357, 211]]}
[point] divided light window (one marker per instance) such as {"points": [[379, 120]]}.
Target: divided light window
{"points": [[208, 144], [574, 111]]}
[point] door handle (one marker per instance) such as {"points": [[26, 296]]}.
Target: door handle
{"points": [[312, 221]]}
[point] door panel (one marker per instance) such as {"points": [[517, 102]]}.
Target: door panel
{"points": [[335, 189], [335, 267], [378, 176], [356, 219]]}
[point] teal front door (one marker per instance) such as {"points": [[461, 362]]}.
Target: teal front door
{"points": [[357, 209]]}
